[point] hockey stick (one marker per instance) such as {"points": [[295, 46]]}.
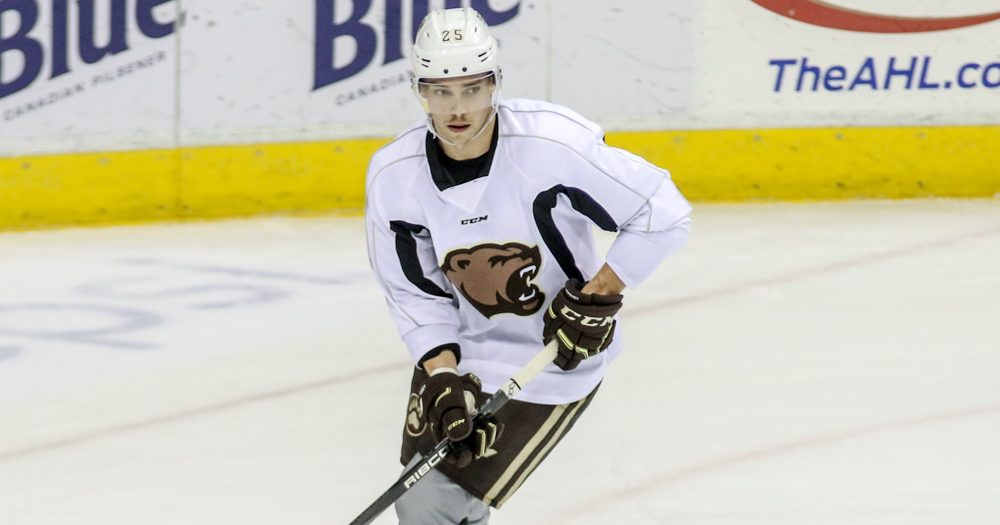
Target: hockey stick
{"points": [[428, 462]]}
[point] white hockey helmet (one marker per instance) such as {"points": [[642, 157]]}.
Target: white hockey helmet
{"points": [[454, 43]]}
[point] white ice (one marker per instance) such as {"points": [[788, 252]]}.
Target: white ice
{"points": [[793, 364]]}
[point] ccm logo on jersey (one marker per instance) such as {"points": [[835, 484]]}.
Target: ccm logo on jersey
{"points": [[474, 220], [586, 320], [425, 467]]}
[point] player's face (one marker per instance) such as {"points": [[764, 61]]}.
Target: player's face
{"points": [[459, 107]]}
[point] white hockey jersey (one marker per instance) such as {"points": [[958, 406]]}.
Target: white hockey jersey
{"points": [[477, 263]]}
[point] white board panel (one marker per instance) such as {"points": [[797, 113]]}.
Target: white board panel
{"points": [[88, 75]]}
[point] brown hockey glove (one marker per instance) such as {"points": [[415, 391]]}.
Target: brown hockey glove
{"points": [[582, 323], [450, 402], [479, 444]]}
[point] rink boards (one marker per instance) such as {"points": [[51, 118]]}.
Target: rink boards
{"points": [[134, 111]]}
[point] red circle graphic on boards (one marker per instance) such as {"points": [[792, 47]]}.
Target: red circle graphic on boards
{"points": [[823, 14]]}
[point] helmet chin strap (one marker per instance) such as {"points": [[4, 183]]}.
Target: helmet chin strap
{"points": [[430, 126]]}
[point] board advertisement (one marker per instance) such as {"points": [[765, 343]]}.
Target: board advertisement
{"points": [[122, 110], [134, 74], [810, 63], [86, 75]]}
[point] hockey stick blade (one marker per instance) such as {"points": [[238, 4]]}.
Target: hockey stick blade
{"points": [[431, 460]]}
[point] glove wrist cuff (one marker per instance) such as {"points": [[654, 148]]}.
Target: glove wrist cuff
{"points": [[442, 370]]}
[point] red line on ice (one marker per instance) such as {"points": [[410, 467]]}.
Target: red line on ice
{"points": [[811, 272], [711, 294], [596, 502], [210, 409]]}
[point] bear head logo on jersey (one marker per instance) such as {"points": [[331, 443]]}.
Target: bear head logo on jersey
{"points": [[496, 278]]}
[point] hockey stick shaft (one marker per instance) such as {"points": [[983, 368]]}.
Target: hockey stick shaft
{"points": [[431, 460]]}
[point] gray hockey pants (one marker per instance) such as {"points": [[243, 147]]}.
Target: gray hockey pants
{"points": [[437, 500]]}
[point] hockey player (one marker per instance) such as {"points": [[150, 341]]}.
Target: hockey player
{"points": [[479, 232]]}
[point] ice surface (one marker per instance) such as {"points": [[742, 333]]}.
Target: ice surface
{"points": [[795, 363]]}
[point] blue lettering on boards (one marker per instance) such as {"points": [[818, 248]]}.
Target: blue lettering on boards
{"points": [[860, 79], [365, 36], [30, 48], [923, 76], [33, 49]]}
